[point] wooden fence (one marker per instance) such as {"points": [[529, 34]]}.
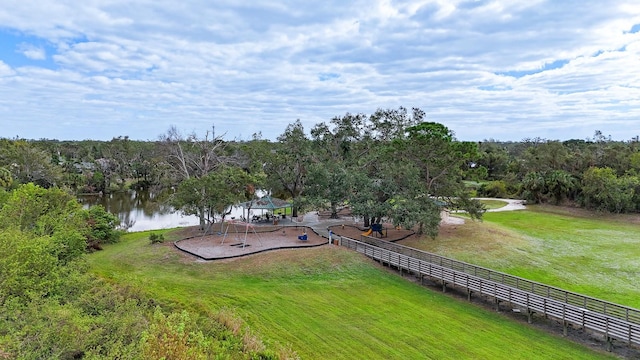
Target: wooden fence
{"points": [[611, 320]]}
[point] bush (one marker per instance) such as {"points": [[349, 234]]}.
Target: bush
{"points": [[494, 189], [103, 227], [156, 238]]}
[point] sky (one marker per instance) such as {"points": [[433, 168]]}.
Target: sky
{"points": [[505, 69]]}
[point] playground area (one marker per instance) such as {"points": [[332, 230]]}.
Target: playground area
{"points": [[382, 231], [241, 239], [237, 238]]}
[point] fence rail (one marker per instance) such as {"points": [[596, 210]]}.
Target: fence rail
{"points": [[586, 302], [568, 307]]}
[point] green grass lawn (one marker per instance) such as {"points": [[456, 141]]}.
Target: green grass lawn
{"points": [[493, 204], [329, 303], [593, 254]]}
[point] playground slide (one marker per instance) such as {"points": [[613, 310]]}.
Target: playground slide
{"points": [[368, 233]]}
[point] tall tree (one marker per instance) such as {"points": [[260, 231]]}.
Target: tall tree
{"points": [[369, 159], [286, 167], [432, 148], [330, 179], [212, 195], [192, 156], [192, 159], [494, 158]]}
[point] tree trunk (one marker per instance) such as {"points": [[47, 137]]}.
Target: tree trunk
{"points": [[202, 219], [334, 211]]}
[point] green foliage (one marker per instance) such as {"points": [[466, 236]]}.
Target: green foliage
{"points": [[102, 227], [560, 184], [495, 189], [44, 291], [31, 208], [287, 163], [387, 167], [430, 131], [87, 318], [97, 182], [49, 213], [328, 183], [494, 158], [51, 308], [156, 238], [175, 337], [473, 207], [603, 190], [534, 187], [213, 194], [554, 184], [28, 164], [476, 173], [420, 211], [29, 266], [634, 162], [546, 156], [4, 196], [5, 178]]}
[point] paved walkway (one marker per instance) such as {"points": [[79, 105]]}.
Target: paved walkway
{"points": [[512, 204], [321, 224]]}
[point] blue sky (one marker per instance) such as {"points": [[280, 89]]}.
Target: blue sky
{"points": [[504, 69]]}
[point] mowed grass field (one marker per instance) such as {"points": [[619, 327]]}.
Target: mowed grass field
{"points": [[585, 252], [329, 303]]}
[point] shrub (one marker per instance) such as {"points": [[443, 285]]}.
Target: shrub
{"points": [[494, 189], [156, 238], [175, 336], [102, 227]]}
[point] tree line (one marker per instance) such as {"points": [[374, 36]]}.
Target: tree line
{"points": [[597, 173], [391, 164]]}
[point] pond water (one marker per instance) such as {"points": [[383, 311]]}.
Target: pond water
{"points": [[141, 210]]}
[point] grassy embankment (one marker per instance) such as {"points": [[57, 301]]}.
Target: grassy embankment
{"points": [[329, 303], [593, 254]]}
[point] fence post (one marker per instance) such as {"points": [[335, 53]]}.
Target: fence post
{"points": [[564, 321], [609, 339]]}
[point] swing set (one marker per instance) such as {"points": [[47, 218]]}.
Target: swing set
{"points": [[238, 224]]}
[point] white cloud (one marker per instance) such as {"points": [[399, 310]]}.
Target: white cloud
{"points": [[480, 67], [32, 52], [5, 70]]}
